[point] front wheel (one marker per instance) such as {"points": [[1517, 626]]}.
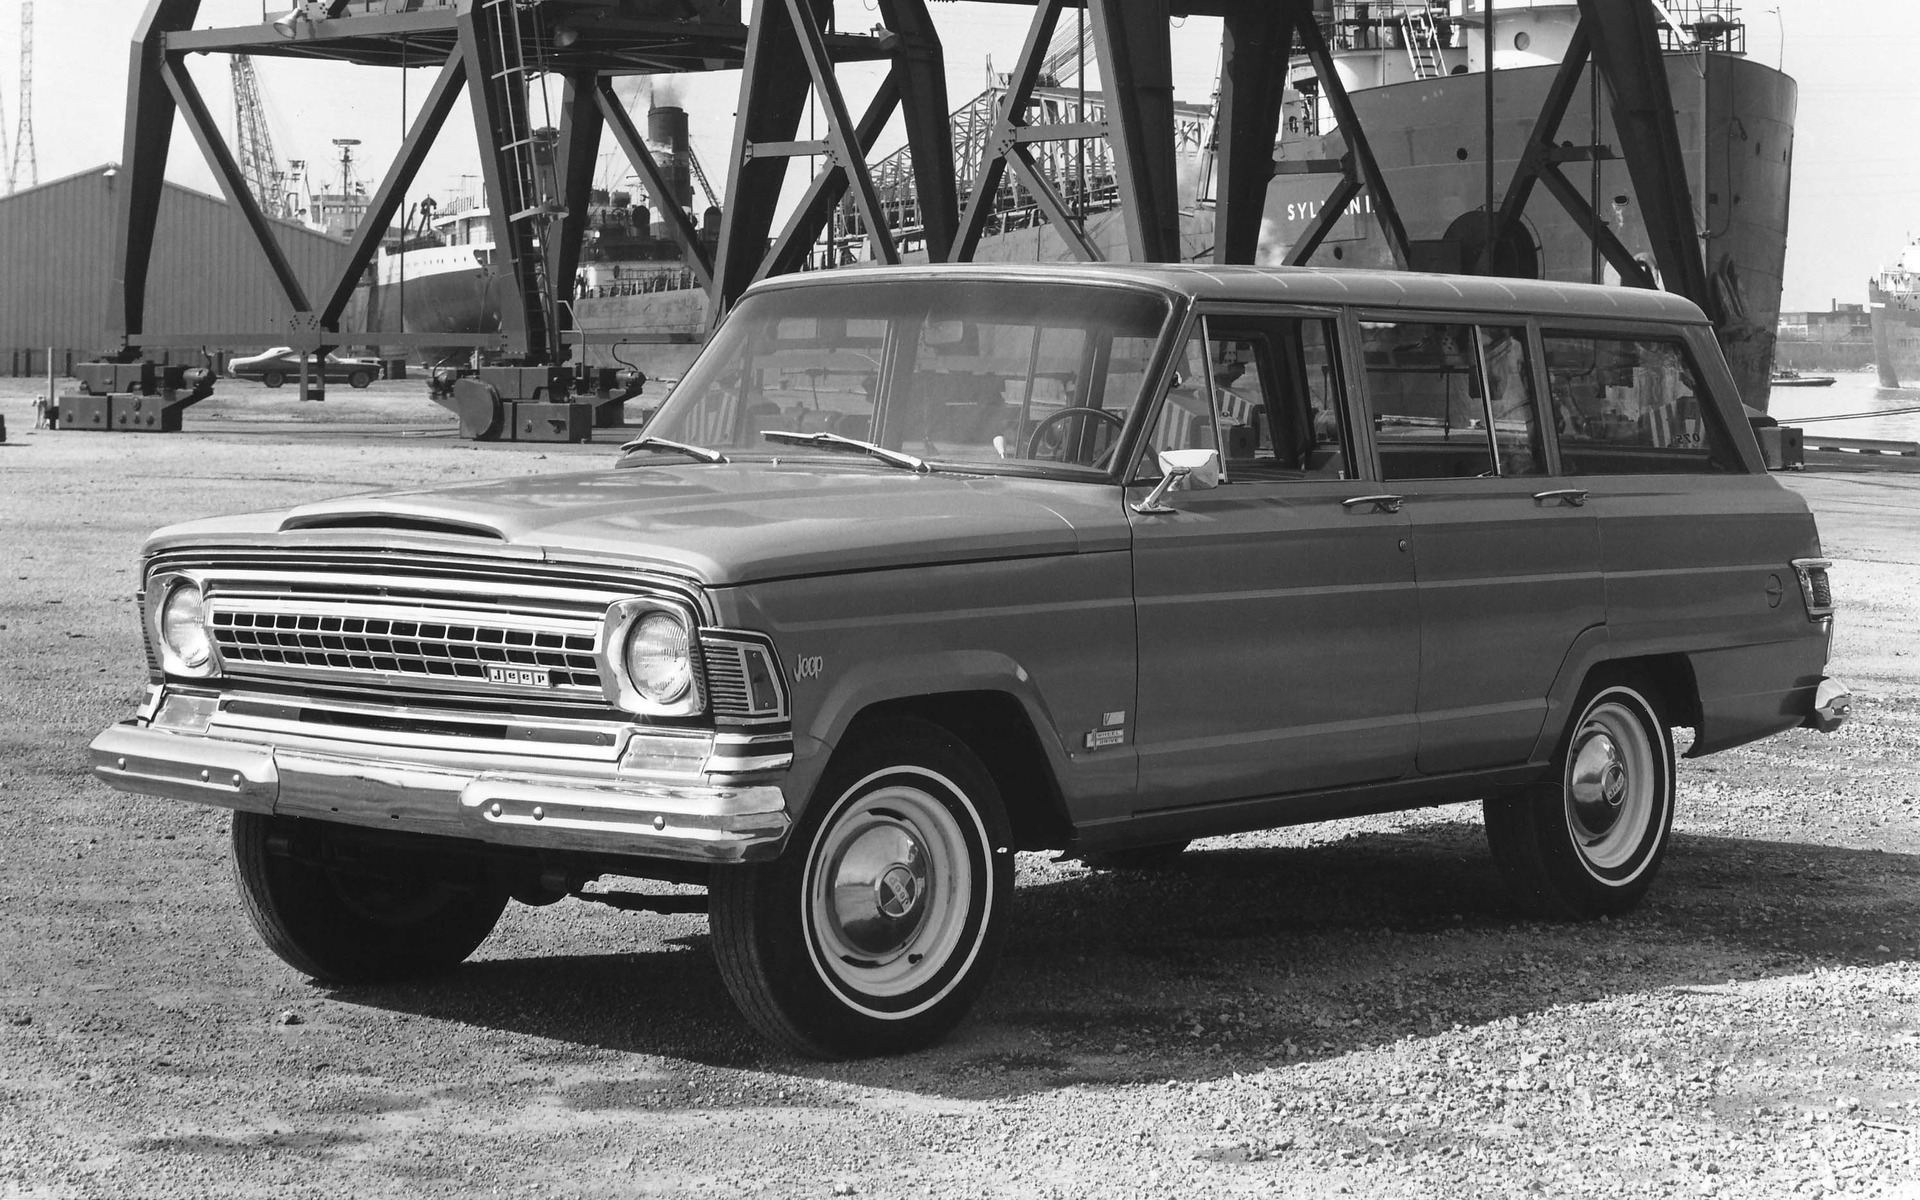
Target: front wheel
{"points": [[274, 379], [880, 924], [360, 379], [334, 908], [1588, 842]]}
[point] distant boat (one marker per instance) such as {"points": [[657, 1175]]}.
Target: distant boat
{"points": [[1788, 377], [1894, 299]]}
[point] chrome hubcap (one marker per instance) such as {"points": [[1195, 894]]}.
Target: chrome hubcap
{"points": [[878, 881], [889, 886], [1598, 777], [1610, 786]]}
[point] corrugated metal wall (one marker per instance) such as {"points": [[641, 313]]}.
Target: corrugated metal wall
{"points": [[57, 284]]}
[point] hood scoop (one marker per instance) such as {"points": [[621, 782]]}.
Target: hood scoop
{"points": [[394, 522]]}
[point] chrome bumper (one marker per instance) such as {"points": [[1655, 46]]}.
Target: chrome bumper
{"points": [[1832, 705], [697, 823]]}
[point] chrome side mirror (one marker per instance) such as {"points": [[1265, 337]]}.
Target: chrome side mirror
{"points": [[1200, 469]]}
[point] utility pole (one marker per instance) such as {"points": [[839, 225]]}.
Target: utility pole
{"points": [[23, 147]]}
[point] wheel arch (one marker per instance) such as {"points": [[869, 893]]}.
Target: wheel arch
{"points": [[1669, 674], [997, 728]]}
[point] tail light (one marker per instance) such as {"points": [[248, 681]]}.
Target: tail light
{"points": [[1815, 588]]}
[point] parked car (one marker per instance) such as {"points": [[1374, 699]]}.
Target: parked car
{"points": [[280, 364], [917, 568]]}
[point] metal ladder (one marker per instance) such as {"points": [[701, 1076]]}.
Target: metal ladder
{"points": [[1422, 38], [530, 209], [509, 82]]}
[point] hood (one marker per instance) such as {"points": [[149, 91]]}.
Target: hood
{"points": [[732, 523]]}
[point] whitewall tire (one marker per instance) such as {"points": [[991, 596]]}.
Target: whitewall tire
{"points": [[878, 926], [1588, 840]]}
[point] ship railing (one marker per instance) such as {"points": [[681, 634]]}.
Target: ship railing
{"points": [[1702, 25], [668, 281], [1386, 24]]}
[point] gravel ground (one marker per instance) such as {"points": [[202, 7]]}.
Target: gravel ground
{"points": [[1347, 1009]]}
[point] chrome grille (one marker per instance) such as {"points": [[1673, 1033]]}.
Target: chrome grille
{"points": [[407, 646], [379, 622]]}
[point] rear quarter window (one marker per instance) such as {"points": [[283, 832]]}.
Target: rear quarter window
{"points": [[1632, 406]]}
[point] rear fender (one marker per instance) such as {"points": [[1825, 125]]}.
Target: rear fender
{"points": [[1593, 646]]}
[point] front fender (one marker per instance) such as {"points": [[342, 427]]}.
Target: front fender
{"points": [[1056, 634], [911, 676]]}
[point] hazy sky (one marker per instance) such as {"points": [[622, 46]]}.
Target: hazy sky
{"points": [[1856, 175]]}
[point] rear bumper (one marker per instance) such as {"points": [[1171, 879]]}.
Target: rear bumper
{"points": [[1832, 705], [688, 822]]}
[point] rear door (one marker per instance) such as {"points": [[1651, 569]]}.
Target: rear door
{"points": [[1688, 537], [1278, 622], [1507, 554]]}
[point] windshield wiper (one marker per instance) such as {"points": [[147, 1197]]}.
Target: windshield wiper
{"points": [[660, 445], [834, 441]]}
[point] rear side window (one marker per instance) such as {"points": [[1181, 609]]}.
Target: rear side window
{"points": [[1632, 406]]}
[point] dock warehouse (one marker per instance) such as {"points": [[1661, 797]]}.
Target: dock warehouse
{"points": [[58, 285]]}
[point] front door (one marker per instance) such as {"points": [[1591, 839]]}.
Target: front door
{"points": [[1508, 554], [1278, 619]]}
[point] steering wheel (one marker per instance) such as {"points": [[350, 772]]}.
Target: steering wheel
{"points": [[1046, 427]]}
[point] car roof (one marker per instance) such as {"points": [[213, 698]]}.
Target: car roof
{"points": [[1302, 285]]}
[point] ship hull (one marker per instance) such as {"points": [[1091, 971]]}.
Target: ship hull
{"points": [[1735, 120], [466, 300], [1896, 335]]}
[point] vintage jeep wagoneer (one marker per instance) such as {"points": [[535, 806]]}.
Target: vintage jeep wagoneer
{"points": [[920, 567]]}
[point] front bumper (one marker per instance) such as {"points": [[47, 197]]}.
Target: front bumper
{"points": [[690, 822]]}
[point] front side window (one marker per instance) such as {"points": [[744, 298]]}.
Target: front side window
{"points": [[1276, 397], [1189, 418], [977, 372], [1452, 401], [1631, 406], [1263, 391]]}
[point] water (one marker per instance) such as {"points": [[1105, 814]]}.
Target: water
{"points": [[1852, 392]]}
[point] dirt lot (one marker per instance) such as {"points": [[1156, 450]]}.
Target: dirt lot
{"points": [[1347, 1009]]}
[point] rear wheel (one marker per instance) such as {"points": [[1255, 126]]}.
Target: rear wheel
{"points": [[1588, 842], [329, 910], [880, 924], [273, 379]]}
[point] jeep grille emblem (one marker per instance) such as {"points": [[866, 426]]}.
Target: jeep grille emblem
{"points": [[518, 676]]}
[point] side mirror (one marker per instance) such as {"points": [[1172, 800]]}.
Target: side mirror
{"points": [[1199, 468]]}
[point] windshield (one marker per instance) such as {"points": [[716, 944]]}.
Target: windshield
{"points": [[974, 372]]}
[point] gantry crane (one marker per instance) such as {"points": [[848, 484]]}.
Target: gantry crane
{"points": [[253, 141], [24, 153]]}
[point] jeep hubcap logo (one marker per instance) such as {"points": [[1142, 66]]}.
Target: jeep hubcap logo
{"points": [[899, 891]]}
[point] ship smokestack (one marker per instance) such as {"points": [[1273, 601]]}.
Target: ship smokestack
{"points": [[667, 131]]}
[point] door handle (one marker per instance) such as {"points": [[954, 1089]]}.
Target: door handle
{"points": [[1389, 504], [1572, 497]]}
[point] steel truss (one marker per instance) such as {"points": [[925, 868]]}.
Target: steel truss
{"points": [[787, 51]]}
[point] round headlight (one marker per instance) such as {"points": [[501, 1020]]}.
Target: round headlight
{"points": [[183, 624], [659, 658]]}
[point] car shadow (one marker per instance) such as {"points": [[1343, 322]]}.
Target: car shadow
{"points": [[1240, 958]]}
